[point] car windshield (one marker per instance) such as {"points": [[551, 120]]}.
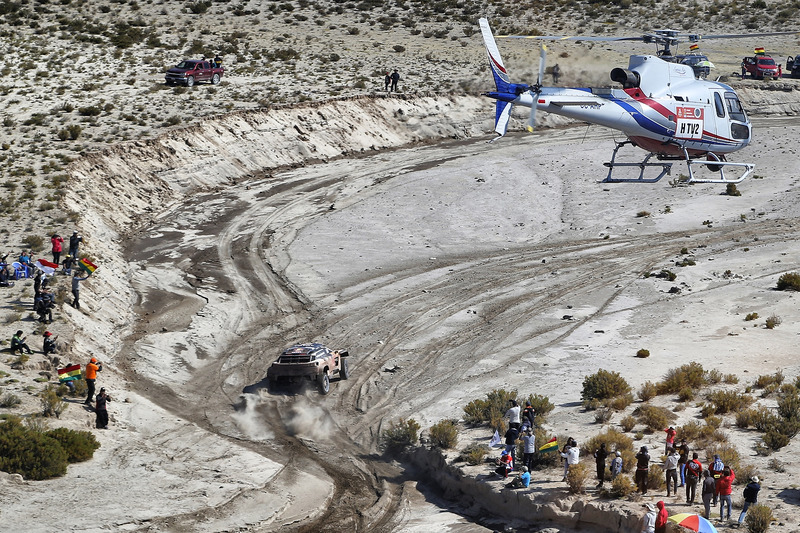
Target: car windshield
{"points": [[188, 65], [693, 60], [766, 62]]}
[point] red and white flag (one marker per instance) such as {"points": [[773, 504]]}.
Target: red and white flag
{"points": [[46, 266]]}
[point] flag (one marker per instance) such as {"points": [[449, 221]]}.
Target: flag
{"points": [[549, 446], [759, 50], [694, 47], [46, 266], [495, 439], [87, 265], [70, 373]]}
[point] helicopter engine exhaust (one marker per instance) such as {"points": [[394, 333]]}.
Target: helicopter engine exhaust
{"points": [[628, 78]]}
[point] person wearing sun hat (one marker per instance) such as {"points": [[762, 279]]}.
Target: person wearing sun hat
{"points": [[649, 520], [750, 496]]}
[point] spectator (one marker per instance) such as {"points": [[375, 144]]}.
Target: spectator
{"points": [[74, 243], [101, 410], [616, 465], [18, 343], [43, 306], [505, 464], [5, 276], [25, 258], [670, 442], [750, 496], [91, 376], [67, 264], [528, 415], [395, 78], [76, 289], [48, 343], [37, 285], [523, 480], [707, 492], [58, 244], [528, 448], [671, 470], [649, 520], [571, 455], [513, 415], [512, 434], [600, 456], [693, 471], [724, 490], [642, 469], [716, 467], [661, 518], [683, 450], [386, 81], [556, 73]]}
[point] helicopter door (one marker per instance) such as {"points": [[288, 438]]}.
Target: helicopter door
{"points": [[721, 121]]}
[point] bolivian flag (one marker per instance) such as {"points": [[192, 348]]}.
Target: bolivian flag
{"points": [[694, 47], [759, 50], [70, 373], [549, 446], [87, 265]]}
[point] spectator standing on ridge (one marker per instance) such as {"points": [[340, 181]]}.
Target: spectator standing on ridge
{"points": [[649, 520], [395, 78], [671, 470], [528, 448], [716, 467], [58, 244], [513, 415], [616, 465], [707, 492], [724, 490], [642, 469], [512, 434], [600, 456], [74, 243], [76, 289], [750, 496], [100, 409], [386, 81], [528, 415], [92, 368], [683, 450], [693, 471], [661, 518], [571, 454], [670, 442], [556, 73]]}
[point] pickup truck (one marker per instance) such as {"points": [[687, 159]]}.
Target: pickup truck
{"points": [[760, 66], [309, 362], [190, 71], [793, 66]]}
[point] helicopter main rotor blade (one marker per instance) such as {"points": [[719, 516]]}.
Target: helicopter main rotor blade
{"points": [[536, 89]]}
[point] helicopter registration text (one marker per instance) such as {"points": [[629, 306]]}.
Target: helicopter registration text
{"points": [[689, 123]]}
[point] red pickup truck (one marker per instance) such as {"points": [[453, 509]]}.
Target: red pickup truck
{"points": [[760, 66], [190, 71]]}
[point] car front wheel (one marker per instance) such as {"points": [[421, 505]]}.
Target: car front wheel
{"points": [[344, 370], [324, 383], [215, 79], [190, 81]]}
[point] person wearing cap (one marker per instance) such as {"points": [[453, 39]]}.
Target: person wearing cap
{"points": [[616, 465], [649, 520], [100, 409], [505, 464], [528, 416], [67, 264], [48, 343], [74, 242], [642, 469], [92, 368], [716, 467], [750, 496]]}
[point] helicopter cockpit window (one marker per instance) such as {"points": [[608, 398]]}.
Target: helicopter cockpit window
{"points": [[719, 105], [734, 107]]}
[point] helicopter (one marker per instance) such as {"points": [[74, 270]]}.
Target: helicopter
{"points": [[662, 107]]}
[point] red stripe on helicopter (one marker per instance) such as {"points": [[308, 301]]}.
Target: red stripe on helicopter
{"points": [[500, 67]]}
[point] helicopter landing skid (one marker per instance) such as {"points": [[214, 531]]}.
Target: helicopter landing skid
{"points": [[715, 165]]}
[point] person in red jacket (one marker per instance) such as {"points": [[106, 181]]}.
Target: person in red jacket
{"points": [[724, 489], [661, 518], [58, 243], [670, 443]]}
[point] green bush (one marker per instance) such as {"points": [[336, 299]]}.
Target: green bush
{"points": [[689, 375], [758, 518], [614, 441], [732, 190], [473, 454], [576, 478], [653, 417], [33, 242], [686, 394], [729, 455], [401, 434], [619, 403], [764, 381], [655, 477], [485, 411], [773, 321], [52, 404], [726, 401], [751, 316], [713, 376], [621, 487], [604, 384], [31, 454], [627, 423], [648, 391], [542, 406], [643, 353], [789, 282], [9, 400], [444, 434], [79, 445]]}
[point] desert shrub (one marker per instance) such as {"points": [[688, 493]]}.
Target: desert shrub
{"points": [[474, 454], [643, 353], [789, 282], [758, 518], [764, 381], [713, 421], [621, 487], [648, 391], [745, 472], [628, 423], [619, 403], [751, 316], [744, 418], [614, 441], [31, 454], [689, 431], [653, 417], [603, 415], [401, 434], [639, 435], [789, 406], [484, 411], [776, 466], [642, 214], [763, 418], [688, 375], [729, 455], [9, 400], [732, 190], [686, 394], [604, 384], [52, 404], [713, 376], [542, 406], [773, 321], [655, 477], [545, 460], [33, 242], [576, 478], [731, 379], [444, 434], [726, 401], [79, 445]]}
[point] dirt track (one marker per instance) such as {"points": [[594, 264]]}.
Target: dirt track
{"points": [[463, 267]]}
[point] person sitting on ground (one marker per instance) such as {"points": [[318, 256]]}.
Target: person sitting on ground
{"points": [[67, 265], [504, 464], [48, 343], [18, 343], [5, 277], [522, 481]]}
